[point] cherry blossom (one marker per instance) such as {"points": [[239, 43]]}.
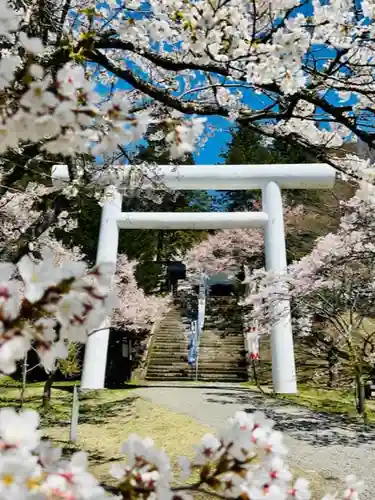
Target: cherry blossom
{"points": [[233, 250], [331, 291], [19, 430], [246, 459], [55, 304], [181, 63], [136, 310]]}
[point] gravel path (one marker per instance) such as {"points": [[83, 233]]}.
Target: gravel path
{"points": [[325, 444]]}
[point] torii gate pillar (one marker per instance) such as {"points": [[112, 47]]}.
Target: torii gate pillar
{"points": [[283, 363], [270, 179], [95, 361]]}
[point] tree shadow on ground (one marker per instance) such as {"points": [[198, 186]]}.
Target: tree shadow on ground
{"points": [[15, 402], [113, 387], [96, 458], [88, 414], [94, 414], [316, 428]]}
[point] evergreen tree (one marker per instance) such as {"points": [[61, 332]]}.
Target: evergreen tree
{"points": [[145, 246], [245, 147], [164, 245], [322, 208]]}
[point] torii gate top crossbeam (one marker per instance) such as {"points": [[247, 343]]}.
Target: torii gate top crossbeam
{"points": [[220, 177], [239, 177]]}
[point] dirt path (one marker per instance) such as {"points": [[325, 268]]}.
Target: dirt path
{"points": [[329, 445]]}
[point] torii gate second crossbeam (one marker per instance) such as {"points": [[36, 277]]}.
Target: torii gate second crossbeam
{"points": [[270, 179]]}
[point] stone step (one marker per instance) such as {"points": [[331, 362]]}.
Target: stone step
{"points": [[179, 346], [169, 340], [223, 342], [178, 364], [222, 347], [228, 357], [222, 362], [217, 320], [223, 312], [171, 378], [175, 327], [173, 333], [211, 341], [169, 330], [165, 336], [239, 370], [222, 378], [171, 353], [181, 363], [212, 360], [201, 378], [169, 373], [169, 326], [221, 334], [218, 338], [221, 351], [221, 357], [230, 369], [162, 354]]}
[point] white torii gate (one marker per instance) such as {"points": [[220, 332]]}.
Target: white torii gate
{"points": [[270, 179]]}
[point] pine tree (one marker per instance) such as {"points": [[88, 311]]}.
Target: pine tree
{"points": [[146, 246], [321, 207], [245, 147]]}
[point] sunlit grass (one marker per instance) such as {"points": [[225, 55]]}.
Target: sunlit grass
{"points": [[338, 401]]}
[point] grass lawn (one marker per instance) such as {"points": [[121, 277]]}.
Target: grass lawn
{"points": [[324, 400], [106, 419]]}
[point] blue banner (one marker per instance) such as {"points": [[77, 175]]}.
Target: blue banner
{"points": [[197, 326], [192, 348]]}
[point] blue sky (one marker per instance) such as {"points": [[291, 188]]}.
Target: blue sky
{"points": [[209, 154]]}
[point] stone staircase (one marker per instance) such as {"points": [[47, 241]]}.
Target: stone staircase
{"points": [[168, 351], [222, 350], [222, 355]]}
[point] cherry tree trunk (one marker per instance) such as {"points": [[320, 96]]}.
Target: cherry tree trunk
{"points": [[20, 247], [332, 368], [360, 394], [47, 389]]}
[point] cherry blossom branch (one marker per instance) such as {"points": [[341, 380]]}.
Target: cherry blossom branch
{"points": [[20, 247], [152, 91]]}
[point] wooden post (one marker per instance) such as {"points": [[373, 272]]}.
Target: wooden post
{"points": [[74, 418], [24, 381]]}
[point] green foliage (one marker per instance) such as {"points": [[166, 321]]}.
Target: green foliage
{"points": [[249, 147], [165, 245], [150, 274], [322, 209], [145, 246], [71, 365], [244, 148]]}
